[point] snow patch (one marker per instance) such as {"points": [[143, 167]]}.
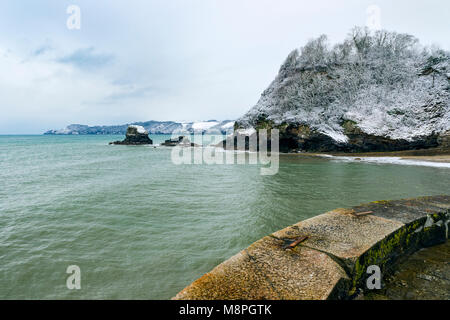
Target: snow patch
{"points": [[228, 125], [336, 136], [246, 132], [139, 129], [197, 126]]}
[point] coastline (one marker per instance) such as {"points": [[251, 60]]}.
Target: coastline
{"points": [[425, 155], [443, 159]]}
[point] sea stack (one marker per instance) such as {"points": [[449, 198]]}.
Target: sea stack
{"points": [[182, 141], [136, 135]]}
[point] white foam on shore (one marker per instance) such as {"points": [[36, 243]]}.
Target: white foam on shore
{"points": [[389, 160]]}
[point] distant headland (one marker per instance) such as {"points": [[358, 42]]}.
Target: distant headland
{"points": [[153, 127]]}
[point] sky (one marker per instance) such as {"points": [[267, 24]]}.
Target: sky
{"points": [[180, 60]]}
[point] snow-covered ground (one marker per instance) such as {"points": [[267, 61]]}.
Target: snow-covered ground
{"points": [[228, 125], [201, 126], [211, 126], [139, 129]]}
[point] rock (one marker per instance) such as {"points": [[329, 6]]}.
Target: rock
{"points": [[294, 138], [444, 140], [182, 141], [243, 136], [136, 135]]}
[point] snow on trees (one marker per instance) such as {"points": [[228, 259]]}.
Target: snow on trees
{"points": [[384, 81]]}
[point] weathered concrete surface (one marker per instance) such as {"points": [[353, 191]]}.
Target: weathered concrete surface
{"points": [[266, 270], [407, 210], [331, 262], [341, 234]]}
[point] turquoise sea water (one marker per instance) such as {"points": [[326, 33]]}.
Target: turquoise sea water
{"points": [[140, 227]]}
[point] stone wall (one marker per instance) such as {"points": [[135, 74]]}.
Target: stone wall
{"points": [[326, 257]]}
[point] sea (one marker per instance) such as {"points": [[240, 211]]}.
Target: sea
{"points": [[137, 225]]}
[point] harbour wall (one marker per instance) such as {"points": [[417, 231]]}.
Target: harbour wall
{"points": [[327, 256]]}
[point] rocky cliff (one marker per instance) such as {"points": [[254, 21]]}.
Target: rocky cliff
{"points": [[377, 91]]}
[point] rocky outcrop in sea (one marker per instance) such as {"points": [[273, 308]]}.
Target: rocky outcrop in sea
{"points": [[181, 141], [136, 135]]}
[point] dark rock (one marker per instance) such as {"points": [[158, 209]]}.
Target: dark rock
{"points": [[299, 137], [136, 135], [444, 140], [182, 141], [231, 143]]}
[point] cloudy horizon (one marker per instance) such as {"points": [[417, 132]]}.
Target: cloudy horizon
{"points": [[179, 60]]}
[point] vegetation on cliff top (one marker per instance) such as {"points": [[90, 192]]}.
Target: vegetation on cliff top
{"points": [[386, 83]]}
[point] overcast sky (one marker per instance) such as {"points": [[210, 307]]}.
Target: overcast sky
{"points": [[180, 60]]}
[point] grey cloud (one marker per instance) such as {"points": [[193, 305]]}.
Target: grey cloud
{"points": [[42, 49], [133, 93], [87, 58]]}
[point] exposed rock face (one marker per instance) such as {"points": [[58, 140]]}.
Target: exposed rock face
{"points": [[373, 92], [180, 141], [444, 140], [299, 138], [135, 135]]}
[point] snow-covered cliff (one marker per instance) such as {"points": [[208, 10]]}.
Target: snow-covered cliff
{"points": [[378, 88]]}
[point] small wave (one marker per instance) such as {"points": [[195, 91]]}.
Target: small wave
{"points": [[389, 160]]}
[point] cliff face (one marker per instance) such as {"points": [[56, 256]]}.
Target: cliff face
{"points": [[374, 92]]}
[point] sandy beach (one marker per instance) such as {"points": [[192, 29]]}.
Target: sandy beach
{"points": [[432, 155]]}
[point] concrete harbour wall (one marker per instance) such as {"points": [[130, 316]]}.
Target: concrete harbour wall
{"points": [[326, 257]]}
